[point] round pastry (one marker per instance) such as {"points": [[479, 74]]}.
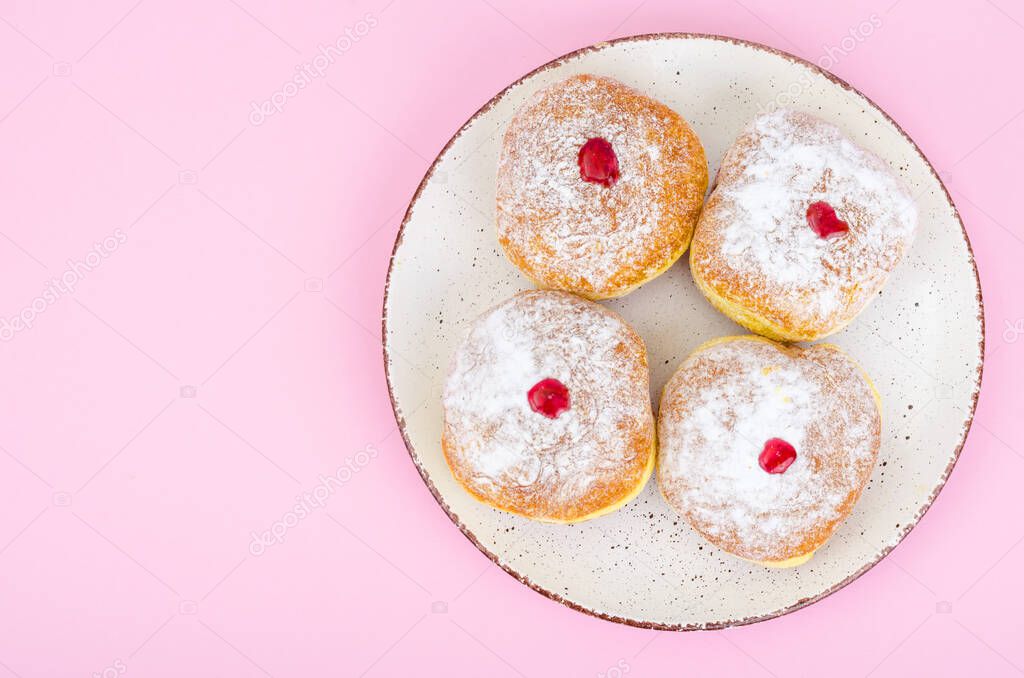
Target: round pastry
{"points": [[599, 187], [802, 229], [547, 409], [764, 449]]}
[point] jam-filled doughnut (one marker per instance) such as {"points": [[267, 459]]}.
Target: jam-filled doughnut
{"points": [[764, 449], [547, 410], [599, 187], [802, 229]]}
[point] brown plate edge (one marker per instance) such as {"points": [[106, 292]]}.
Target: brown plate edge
{"points": [[624, 620]]}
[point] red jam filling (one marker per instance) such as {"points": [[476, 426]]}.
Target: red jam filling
{"points": [[777, 456], [823, 220], [598, 163], [549, 397]]}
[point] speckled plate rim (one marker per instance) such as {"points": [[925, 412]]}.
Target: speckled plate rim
{"points": [[804, 602]]}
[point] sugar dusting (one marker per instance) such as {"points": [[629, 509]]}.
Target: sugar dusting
{"points": [[500, 447], [718, 411], [755, 226], [584, 232]]}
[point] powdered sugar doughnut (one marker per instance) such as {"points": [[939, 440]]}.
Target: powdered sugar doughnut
{"points": [[764, 449], [547, 411], [599, 187], [802, 228]]}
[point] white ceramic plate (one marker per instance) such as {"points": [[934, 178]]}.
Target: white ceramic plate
{"points": [[921, 341]]}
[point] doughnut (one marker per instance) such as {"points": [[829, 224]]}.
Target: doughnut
{"points": [[599, 187], [764, 448], [801, 230], [547, 409]]}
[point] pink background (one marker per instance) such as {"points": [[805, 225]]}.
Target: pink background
{"points": [[222, 349]]}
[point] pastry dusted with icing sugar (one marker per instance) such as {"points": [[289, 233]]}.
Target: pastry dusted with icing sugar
{"points": [[547, 410], [599, 187], [764, 448], [802, 229]]}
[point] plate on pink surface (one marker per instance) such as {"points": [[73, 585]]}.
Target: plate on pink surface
{"points": [[922, 342]]}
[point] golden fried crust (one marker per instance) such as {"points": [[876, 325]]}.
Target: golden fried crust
{"points": [[605, 499], [588, 461], [739, 303], [708, 469], [599, 242], [756, 258]]}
